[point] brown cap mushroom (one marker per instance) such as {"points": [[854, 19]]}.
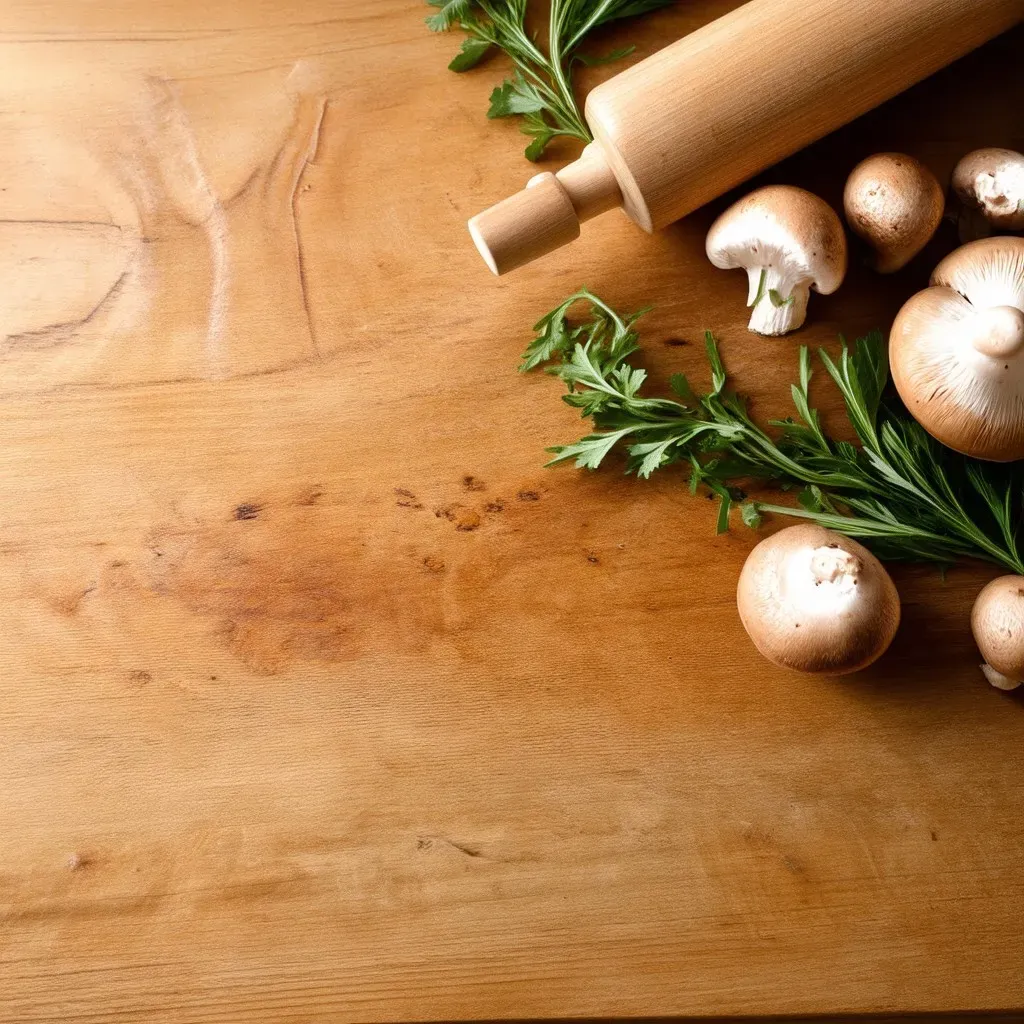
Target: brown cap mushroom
{"points": [[990, 186], [997, 621], [957, 350], [788, 241], [817, 601], [895, 204]]}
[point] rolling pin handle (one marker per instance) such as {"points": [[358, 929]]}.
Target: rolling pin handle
{"points": [[546, 214]]}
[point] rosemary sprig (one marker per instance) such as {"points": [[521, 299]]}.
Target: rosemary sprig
{"points": [[899, 491]]}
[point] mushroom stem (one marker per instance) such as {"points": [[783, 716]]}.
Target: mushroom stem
{"points": [[997, 332], [997, 190], [834, 565], [777, 305], [998, 680]]}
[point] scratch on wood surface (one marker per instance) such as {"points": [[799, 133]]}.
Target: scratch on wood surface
{"points": [[312, 146], [468, 849], [248, 510], [55, 334], [59, 222]]}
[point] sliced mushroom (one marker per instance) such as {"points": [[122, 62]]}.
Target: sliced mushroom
{"points": [[989, 184], [957, 350], [788, 241], [817, 601], [895, 204], [997, 621]]}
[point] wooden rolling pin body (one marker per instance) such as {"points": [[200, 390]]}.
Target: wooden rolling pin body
{"points": [[711, 110]]}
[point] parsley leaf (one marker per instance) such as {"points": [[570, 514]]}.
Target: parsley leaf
{"points": [[515, 96], [541, 88], [450, 12], [470, 54]]}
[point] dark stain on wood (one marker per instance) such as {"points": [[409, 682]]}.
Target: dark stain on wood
{"points": [[464, 518], [296, 588], [406, 499]]}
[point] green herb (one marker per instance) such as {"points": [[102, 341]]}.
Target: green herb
{"points": [[540, 89], [899, 491], [760, 289], [774, 296]]}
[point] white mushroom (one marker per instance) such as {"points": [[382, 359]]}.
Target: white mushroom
{"points": [[895, 204], [957, 350], [788, 241], [989, 183], [997, 621], [817, 601]]}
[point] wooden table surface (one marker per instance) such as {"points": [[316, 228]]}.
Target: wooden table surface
{"points": [[321, 698]]}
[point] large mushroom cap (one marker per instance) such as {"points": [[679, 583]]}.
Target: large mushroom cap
{"points": [[991, 182], [895, 204], [957, 350], [817, 601], [997, 621], [788, 240]]}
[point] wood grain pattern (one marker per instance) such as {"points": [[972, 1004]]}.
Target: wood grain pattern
{"points": [[322, 700]]}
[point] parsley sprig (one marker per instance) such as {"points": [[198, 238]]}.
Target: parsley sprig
{"points": [[899, 491], [540, 89]]}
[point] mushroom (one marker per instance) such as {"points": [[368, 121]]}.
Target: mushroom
{"points": [[990, 186], [957, 350], [997, 621], [788, 241], [895, 204], [816, 601]]}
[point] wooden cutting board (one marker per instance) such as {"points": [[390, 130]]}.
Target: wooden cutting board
{"points": [[321, 698]]}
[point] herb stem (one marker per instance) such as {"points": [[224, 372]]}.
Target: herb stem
{"points": [[900, 492]]}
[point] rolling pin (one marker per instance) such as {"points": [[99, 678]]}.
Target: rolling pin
{"points": [[709, 111]]}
